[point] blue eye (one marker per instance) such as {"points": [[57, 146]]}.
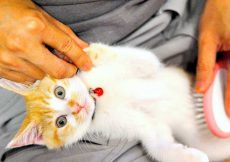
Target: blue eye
{"points": [[59, 92]]}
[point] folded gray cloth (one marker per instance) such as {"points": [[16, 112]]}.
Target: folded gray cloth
{"points": [[168, 28]]}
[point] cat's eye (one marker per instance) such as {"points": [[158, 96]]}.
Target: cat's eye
{"points": [[59, 92], [61, 121]]}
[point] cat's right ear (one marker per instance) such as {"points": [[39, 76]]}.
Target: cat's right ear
{"points": [[19, 88]]}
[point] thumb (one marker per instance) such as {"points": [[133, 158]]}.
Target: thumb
{"points": [[206, 62], [227, 94]]}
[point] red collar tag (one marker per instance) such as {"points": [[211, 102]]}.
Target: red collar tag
{"points": [[98, 91]]}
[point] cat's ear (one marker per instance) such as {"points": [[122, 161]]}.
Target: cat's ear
{"points": [[28, 134], [19, 88]]}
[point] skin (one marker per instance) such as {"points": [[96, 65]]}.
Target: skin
{"points": [[25, 30], [214, 36]]}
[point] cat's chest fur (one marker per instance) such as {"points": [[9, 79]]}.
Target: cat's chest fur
{"points": [[136, 88], [147, 101]]}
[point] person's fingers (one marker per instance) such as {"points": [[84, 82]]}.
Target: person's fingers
{"points": [[22, 66], [66, 29], [206, 62], [50, 64], [15, 76], [57, 39], [31, 70], [61, 56], [227, 94]]}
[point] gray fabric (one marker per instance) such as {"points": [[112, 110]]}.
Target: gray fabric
{"points": [[102, 20], [172, 33], [80, 153], [169, 31]]}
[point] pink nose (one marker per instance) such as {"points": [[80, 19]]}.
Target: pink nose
{"points": [[77, 108]]}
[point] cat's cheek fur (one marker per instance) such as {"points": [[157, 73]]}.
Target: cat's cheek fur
{"points": [[82, 127], [78, 125]]}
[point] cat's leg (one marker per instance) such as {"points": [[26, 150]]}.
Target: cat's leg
{"points": [[163, 147], [130, 60], [100, 53]]}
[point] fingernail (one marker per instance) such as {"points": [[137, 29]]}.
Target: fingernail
{"points": [[202, 86], [199, 86], [227, 108], [28, 83], [87, 66]]}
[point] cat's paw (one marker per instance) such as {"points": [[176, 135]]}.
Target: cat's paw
{"points": [[99, 53], [181, 153], [178, 153], [194, 155]]}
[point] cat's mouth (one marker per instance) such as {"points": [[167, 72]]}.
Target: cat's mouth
{"points": [[85, 107], [82, 107], [78, 108]]}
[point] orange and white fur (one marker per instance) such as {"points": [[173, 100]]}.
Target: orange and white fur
{"points": [[143, 100]]}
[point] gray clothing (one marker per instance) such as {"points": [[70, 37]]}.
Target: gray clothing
{"points": [[168, 28], [102, 20]]}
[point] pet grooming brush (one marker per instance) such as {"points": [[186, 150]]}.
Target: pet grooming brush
{"points": [[212, 103]]}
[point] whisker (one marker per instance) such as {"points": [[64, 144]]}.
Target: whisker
{"points": [[90, 139], [79, 144], [85, 144]]}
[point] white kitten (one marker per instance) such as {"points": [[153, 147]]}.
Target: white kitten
{"points": [[147, 101], [142, 100]]}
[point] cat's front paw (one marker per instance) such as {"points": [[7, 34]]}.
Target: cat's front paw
{"points": [[100, 53], [194, 155]]}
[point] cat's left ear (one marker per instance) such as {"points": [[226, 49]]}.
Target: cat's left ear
{"points": [[19, 88], [28, 134]]}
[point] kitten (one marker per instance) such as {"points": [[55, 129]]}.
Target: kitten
{"points": [[142, 99]]}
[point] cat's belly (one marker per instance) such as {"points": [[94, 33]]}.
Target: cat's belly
{"points": [[127, 122], [119, 122]]}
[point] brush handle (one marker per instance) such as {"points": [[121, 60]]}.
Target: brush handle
{"points": [[213, 102]]}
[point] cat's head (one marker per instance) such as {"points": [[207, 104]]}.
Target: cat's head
{"points": [[59, 113]]}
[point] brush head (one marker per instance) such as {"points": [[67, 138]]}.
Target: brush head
{"points": [[213, 103]]}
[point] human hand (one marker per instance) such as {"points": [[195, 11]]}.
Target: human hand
{"points": [[25, 29], [214, 36]]}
